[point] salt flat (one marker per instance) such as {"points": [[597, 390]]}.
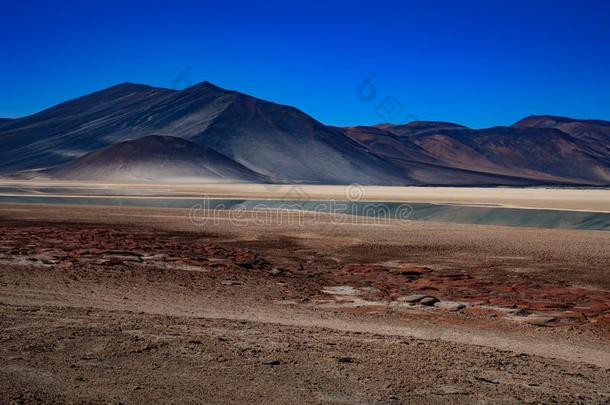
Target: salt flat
{"points": [[575, 199]]}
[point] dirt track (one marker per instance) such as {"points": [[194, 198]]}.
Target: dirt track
{"points": [[138, 305]]}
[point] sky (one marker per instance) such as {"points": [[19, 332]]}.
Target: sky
{"points": [[477, 63]]}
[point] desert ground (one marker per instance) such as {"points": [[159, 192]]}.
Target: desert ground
{"points": [[135, 305]]}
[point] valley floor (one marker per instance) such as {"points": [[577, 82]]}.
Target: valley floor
{"points": [[135, 305]]}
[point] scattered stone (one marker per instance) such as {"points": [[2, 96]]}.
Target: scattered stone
{"points": [[541, 320], [448, 389], [278, 271], [410, 272], [428, 301], [340, 290], [390, 401], [488, 380], [114, 261], [520, 312], [411, 299], [102, 262], [246, 264], [450, 305], [231, 282]]}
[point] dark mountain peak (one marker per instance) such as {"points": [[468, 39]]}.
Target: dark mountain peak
{"points": [[542, 121], [431, 124], [207, 87], [115, 92], [421, 125], [129, 86], [551, 121], [416, 127], [124, 89]]}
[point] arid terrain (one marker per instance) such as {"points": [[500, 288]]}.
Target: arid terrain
{"points": [[133, 305]]}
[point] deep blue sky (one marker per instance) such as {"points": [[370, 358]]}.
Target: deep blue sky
{"points": [[479, 63]]}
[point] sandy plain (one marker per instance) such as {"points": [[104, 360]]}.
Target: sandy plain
{"points": [[133, 305]]}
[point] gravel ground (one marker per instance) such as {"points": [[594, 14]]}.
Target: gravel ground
{"points": [[138, 305]]}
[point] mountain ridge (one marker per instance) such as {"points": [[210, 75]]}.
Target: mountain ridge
{"points": [[282, 144]]}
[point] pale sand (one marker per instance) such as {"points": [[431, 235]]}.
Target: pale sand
{"points": [[597, 200]]}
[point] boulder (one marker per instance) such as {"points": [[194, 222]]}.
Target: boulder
{"points": [[428, 301], [450, 305], [411, 299]]}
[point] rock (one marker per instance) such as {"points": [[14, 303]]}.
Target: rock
{"points": [[231, 282], [428, 301], [448, 389], [411, 299], [390, 401], [114, 261], [246, 264], [541, 320], [450, 305], [278, 271], [340, 290], [253, 263], [345, 360], [272, 363], [488, 380], [520, 312], [410, 272]]}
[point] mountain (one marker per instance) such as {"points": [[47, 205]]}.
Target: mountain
{"points": [[430, 158], [595, 134], [279, 142], [131, 132], [74, 128], [518, 154], [156, 158]]}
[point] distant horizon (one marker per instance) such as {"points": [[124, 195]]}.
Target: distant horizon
{"points": [[478, 63]]}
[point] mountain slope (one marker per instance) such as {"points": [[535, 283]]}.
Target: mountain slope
{"points": [[595, 134], [427, 166], [74, 128], [278, 141], [155, 158], [287, 145], [503, 155]]}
